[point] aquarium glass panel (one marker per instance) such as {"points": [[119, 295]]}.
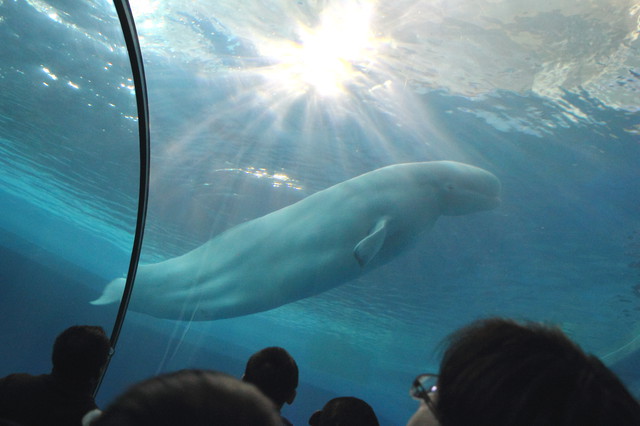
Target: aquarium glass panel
{"points": [[69, 163], [259, 108]]}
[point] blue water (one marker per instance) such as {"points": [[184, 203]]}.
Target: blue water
{"points": [[239, 131]]}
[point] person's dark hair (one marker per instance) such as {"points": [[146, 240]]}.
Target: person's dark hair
{"points": [[80, 352], [274, 372], [498, 372], [345, 411], [190, 398]]}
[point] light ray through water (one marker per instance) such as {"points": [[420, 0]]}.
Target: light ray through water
{"points": [[327, 69]]}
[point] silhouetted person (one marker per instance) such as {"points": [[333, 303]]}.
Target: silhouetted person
{"points": [[275, 373], [345, 411], [498, 372], [190, 398], [66, 395]]}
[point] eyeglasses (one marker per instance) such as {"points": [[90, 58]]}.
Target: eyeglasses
{"points": [[423, 386]]}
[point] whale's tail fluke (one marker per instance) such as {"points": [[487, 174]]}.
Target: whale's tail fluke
{"points": [[112, 292]]}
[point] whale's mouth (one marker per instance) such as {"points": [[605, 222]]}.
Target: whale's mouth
{"points": [[478, 201], [484, 191], [477, 191]]}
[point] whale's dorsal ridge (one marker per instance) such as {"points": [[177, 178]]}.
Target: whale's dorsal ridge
{"points": [[370, 245]]}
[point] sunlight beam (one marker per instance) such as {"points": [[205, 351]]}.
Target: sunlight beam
{"points": [[329, 56]]}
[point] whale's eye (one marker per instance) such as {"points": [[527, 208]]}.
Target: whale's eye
{"points": [[449, 187]]}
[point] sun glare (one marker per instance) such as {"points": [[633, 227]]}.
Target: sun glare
{"points": [[329, 56]]}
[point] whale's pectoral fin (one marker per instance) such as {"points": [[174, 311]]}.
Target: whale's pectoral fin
{"points": [[369, 246]]}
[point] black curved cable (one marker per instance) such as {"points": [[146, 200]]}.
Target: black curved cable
{"points": [[135, 56]]}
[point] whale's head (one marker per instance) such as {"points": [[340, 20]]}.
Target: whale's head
{"points": [[464, 189]]}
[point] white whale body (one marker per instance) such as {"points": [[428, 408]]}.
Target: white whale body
{"points": [[318, 243]]}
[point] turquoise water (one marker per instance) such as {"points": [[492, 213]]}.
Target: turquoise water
{"points": [[255, 106]]}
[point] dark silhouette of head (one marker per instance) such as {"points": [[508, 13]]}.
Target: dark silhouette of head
{"points": [[275, 373], [190, 398], [498, 372], [345, 411], [80, 353]]}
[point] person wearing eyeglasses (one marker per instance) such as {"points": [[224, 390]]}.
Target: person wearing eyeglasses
{"points": [[424, 389], [499, 372]]}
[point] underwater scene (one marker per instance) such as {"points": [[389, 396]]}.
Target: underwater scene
{"points": [[351, 180]]}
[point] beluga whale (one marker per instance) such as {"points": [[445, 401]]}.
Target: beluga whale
{"points": [[322, 241]]}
